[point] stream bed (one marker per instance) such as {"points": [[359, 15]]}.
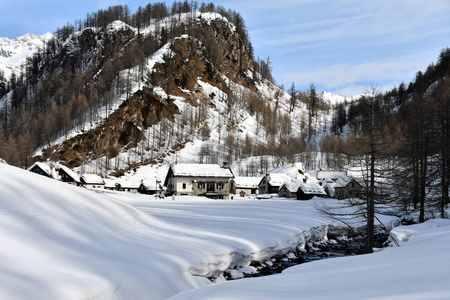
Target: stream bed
{"points": [[324, 249]]}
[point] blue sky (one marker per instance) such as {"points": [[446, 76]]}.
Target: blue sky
{"points": [[342, 46]]}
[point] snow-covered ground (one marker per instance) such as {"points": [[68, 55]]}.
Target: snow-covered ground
{"points": [[418, 269], [65, 242]]}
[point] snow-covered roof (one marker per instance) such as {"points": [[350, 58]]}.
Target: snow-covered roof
{"points": [[49, 171], [276, 179], [150, 184], [128, 183], [294, 171], [292, 186], [69, 172], [92, 179], [309, 187], [312, 187], [200, 170], [343, 181], [247, 182]]}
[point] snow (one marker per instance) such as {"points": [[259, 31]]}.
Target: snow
{"points": [[201, 170], [65, 242], [13, 52], [246, 182], [418, 269], [92, 179]]}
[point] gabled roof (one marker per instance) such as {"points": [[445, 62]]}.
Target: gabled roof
{"points": [[200, 170], [150, 184], [69, 172], [292, 186], [343, 181], [277, 179], [310, 187], [49, 171], [125, 183], [91, 179], [247, 182]]}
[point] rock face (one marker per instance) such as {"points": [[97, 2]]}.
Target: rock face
{"points": [[121, 130]]}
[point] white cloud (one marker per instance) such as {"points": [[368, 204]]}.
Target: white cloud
{"points": [[349, 79]]}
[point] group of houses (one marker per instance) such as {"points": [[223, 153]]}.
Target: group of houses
{"points": [[217, 182]]}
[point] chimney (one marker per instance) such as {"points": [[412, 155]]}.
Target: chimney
{"points": [[225, 165]]}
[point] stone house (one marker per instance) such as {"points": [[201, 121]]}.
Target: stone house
{"points": [[343, 187], [271, 183], [301, 189], [92, 180], [209, 180]]}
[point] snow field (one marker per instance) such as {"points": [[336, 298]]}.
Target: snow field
{"points": [[66, 242]]}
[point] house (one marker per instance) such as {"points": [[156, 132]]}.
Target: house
{"points": [[43, 169], [289, 188], [302, 189], [274, 179], [67, 175], [56, 171], [343, 187], [122, 184], [208, 180], [271, 183], [92, 180], [150, 186], [245, 186], [310, 188]]}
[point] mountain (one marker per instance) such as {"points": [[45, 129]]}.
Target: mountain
{"points": [[181, 88], [13, 52]]}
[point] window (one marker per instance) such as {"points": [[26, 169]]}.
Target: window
{"points": [[220, 185], [184, 186], [201, 185]]}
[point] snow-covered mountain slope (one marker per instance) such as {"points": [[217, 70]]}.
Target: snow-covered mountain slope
{"points": [[213, 100], [66, 242], [13, 52]]}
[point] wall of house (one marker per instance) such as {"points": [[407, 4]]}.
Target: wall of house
{"points": [[247, 191], [199, 186]]}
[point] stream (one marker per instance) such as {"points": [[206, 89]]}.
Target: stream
{"points": [[338, 246]]}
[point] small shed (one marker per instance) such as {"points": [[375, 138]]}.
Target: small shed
{"points": [[92, 180], [245, 186]]}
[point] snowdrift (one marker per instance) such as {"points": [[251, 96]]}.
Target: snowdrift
{"points": [[64, 242]]}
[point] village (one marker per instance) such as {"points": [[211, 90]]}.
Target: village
{"points": [[218, 182]]}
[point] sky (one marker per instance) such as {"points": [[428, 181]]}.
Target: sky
{"points": [[341, 46]]}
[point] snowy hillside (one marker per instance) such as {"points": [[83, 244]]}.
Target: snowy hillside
{"points": [[65, 242], [14, 52]]}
